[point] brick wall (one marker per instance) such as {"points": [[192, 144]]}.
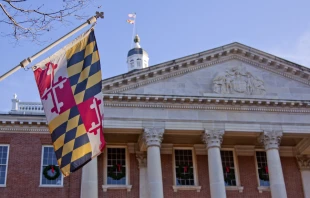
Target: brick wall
{"points": [[292, 177], [23, 178]]}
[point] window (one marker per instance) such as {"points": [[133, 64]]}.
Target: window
{"points": [[4, 156], [116, 166], [229, 168], [139, 62], [262, 168], [49, 158], [132, 64], [184, 167]]}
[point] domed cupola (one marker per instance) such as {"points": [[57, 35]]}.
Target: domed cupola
{"points": [[137, 57]]}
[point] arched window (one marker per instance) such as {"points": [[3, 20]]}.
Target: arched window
{"points": [[132, 64], [139, 62]]}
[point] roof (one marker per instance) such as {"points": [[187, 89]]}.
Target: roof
{"points": [[266, 61], [137, 51]]}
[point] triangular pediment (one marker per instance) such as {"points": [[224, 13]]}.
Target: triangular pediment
{"points": [[233, 70]]}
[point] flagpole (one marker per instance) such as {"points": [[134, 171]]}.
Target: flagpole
{"points": [[28, 60], [133, 30]]}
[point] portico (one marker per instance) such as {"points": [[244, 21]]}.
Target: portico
{"points": [[242, 144], [198, 118]]}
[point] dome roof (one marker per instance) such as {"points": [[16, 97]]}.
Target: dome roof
{"points": [[137, 51]]}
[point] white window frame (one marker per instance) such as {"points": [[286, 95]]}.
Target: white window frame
{"points": [[259, 187], [107, 186], [237, 173], [196, 181], [7, 165], [41, 172]]}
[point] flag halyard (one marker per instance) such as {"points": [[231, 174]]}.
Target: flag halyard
{"points": [[69, 84]]}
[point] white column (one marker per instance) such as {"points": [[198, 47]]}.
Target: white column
{"points": [[213, 140], [271, 141], [153, 138], [89, 184], [144, 188], [304, 167]]}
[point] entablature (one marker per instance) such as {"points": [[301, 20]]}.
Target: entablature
{"points": [[207, 103]]}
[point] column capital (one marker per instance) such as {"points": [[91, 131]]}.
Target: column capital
{"points": [[142, 160], [153, 136], [271, 139], [303, 162], [213, 138]]}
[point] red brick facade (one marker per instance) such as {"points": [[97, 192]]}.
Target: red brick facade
{"points": [[23, 178]]}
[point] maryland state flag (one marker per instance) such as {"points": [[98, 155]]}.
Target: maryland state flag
{"points": [[69, 83]]}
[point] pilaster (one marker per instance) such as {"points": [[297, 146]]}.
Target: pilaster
{"points": [[304, 167], [142, 159], [143, 184]]}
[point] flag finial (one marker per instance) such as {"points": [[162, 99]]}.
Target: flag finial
{"points": [[137, 41]]}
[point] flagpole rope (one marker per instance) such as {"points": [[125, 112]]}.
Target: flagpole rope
{"points": [[28, 60]]}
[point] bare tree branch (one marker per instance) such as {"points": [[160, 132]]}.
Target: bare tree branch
{"points": [[30, 22]]}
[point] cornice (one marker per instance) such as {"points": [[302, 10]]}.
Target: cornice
{"points": [[206, 103], [16, 129], [201, 60]]}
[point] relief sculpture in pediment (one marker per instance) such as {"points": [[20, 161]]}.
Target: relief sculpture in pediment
{"points": [[237, 80]]}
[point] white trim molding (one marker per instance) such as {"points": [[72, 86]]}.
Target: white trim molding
{"points": [[235, 188], [177, 188], [206, 103], [116, 187], [262, 189]]}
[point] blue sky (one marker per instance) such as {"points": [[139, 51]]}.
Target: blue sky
{"points": [[169, 30]]}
